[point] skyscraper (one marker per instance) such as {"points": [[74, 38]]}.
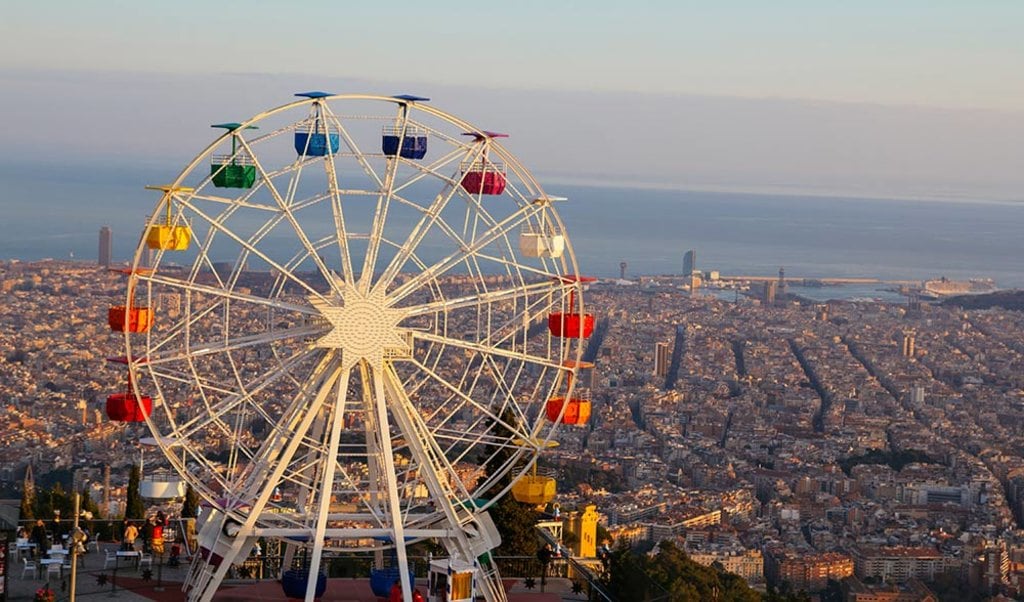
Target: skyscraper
{"points": [[908, 343], [106, 247], [662, 357], [768, 295], [689, 262]]}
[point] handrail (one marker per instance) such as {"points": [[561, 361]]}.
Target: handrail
{"points": [[593, 580]]}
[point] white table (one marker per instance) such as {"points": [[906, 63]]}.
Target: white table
{"points": [[57, 552], [46, 562]]}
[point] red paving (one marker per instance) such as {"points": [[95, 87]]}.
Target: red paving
{"points": [[338, 590], [341, 590]]}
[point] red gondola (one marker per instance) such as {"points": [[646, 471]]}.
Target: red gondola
{"points": [[573, 324], [484, 176], [127, 407]]}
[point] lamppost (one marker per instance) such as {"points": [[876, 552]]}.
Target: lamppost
{"points": [[76, 540]]}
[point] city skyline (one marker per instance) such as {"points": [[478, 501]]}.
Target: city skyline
{"points": [[375, 305]]}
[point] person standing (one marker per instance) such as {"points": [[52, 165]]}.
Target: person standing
{"points": [[147, 534], [158, 532], [39, 537], [131, 532]]}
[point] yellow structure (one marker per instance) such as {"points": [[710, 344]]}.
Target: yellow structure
{"points": [[169, 238], [534, 490], [583, 526]]}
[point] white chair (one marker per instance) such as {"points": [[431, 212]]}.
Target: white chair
{"points": [[54, 569], [110, 559], [94, 544], [30, 567], [146, 559]]}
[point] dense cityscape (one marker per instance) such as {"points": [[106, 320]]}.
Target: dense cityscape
{"points": [[873, 444]]}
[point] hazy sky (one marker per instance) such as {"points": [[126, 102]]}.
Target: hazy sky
{"points": [[908, 98]]}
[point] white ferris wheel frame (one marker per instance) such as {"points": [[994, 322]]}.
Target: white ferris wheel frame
{"points": [[327, 386]]}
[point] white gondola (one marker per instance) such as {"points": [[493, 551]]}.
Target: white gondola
{"points": [[541, 240], [451, 580], [162, 485]]}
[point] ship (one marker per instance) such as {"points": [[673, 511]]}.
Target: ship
{"points": [[943, 287]]}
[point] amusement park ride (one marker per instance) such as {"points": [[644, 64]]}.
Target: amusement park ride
{"points": [[420, 318]]}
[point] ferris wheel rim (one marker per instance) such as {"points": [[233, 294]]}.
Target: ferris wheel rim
{"points": [[522, 173]]}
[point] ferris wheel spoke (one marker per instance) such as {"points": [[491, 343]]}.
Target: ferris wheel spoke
{"points": [[381, 406], [285, 206], [233, 398], [351, 143], [439, 474], [430, 216], [467, 399], [510, 223], [384, 196], [250, 248], [433, 169], [290, 432], [338, 214], [237, 202], [485, 349], [329, 466], [480, 299], [258, 488], [235, 344]]}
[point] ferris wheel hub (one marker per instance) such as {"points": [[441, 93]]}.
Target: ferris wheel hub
{"points": [[363, 327]]}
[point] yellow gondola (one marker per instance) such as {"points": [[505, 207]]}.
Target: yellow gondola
{"points": [[166, 236], [534, 490]]}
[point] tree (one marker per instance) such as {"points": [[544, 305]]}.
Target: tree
{"points": [[516, 522], [671, 573], [134, 507], [28, 497], [62, 500], [190, 507]]}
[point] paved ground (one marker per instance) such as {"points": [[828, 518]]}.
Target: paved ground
{"points": [[129, 584]]}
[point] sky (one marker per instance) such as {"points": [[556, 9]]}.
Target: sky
{"points": [[917, 98]]}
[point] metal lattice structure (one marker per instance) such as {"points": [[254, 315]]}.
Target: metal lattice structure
{"points": [[348, 340]]}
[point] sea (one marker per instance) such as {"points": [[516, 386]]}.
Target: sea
{"points": [[55, 210]]}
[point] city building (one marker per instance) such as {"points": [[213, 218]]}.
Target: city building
{"points": [[748, 564], [809, 572], [662, 359], [908, 343], [768, 294], [911, 591], [106, 253], [900, 564], [689, 262]]}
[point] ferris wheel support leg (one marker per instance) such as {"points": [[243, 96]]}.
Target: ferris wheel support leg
{"points": [[424, 450], [326, 485], [261, 490], [394, 503]]}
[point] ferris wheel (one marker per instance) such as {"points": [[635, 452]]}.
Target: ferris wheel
{"points": [[347, 343]]}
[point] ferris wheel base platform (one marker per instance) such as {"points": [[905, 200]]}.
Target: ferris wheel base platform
{"points": [[358, 590]]}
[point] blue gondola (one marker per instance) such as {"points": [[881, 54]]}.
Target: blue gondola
{"points": [[316, 144], [381, 580], [414, 142], [293, 582], [315, 140]]}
